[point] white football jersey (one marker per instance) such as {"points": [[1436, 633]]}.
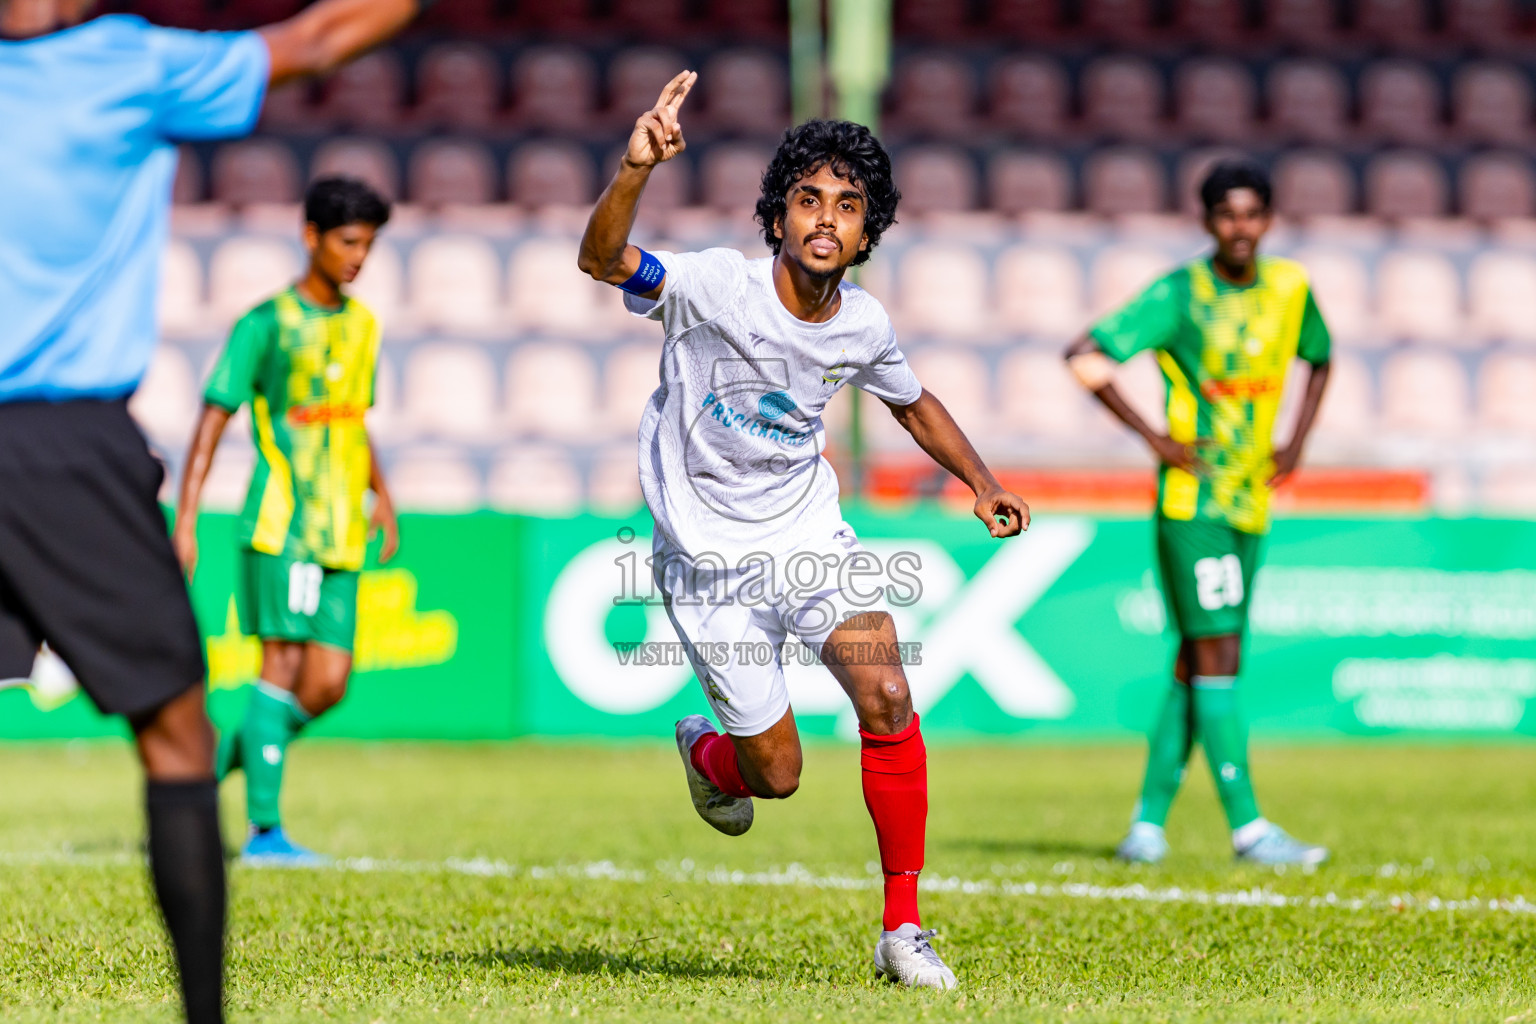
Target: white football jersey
{"points": [[731, 442]]}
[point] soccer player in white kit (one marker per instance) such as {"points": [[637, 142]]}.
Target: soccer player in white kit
{"points": [[750, 545]]}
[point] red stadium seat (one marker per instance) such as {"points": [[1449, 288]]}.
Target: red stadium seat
{"points": [[367, 159], [936, 179], [456, 284], [636, 77], [1308, 102], [1029, 97], [253, 13], [1040, 292], [367, 95], [255, 171], [189, 185], [1313, 183], [933, 94], [551, 174], [746, 19], [1127, 21], [175, 13], [650, 19], [1399, 24], [745, 91], [1491, 25], [1496, 186], [1121, 181], [1405, 185], [1024, 20], [1020, 182], [545, 292], [1123, 98], [1492, 103], [445, 171], [288, 110], [458, 86], [1400, 103], [1309, 23], [942, 290], [732, 175], [555, 88], [1214, 99], [930, 20], [1219, 23]]}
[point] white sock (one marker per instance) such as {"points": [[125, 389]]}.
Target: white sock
{"points": [[1246, 835]]}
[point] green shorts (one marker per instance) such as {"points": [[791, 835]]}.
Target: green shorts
{"points": [[1207, 572], [283, 598]]}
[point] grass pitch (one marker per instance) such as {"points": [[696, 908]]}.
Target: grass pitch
{"points": [[537, 882]]}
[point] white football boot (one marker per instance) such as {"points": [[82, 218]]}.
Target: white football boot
{"points": [[729, 814], [904, 956]]}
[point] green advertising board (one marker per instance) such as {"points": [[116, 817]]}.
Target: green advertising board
{"points": [[490, 626]]}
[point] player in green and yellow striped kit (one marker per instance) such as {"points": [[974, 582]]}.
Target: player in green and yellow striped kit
{"points": [[1225, 330], [305, 362]]}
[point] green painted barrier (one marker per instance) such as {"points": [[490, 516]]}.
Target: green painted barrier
{"points": [[490, 626]]}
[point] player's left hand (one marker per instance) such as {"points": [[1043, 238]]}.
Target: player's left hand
{"points": [[996, 504], [1285, 464], [384, 520]]}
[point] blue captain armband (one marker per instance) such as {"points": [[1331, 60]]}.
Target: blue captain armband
{"points": [[647, 277]]}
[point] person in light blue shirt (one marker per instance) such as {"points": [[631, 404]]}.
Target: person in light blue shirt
{"points": [[91, 112]]}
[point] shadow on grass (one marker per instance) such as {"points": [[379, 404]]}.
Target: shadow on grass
{"points": [[1038, 847], [595, 960]]}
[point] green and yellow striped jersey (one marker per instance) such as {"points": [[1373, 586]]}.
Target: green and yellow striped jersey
{"points": [[1224, 350], [308, 374]]}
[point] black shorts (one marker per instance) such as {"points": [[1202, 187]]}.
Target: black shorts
{"points": [[85, 560]]}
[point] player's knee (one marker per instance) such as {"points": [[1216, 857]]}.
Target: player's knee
{"points": [[781, 782], [890, 702]]}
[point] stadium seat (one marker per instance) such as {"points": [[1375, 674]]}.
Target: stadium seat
{"points": [[450, 392], [1341, 286], [747, 92], [551, 174], [1501, 287], [1123, 98], [933, 95], [1418, 297], [1038, 395], [936, 179], [449, 171], [381, 285], [746, 19], [1492, 103], [630, 376], [1313, 183], [1121, 272], [1489, 25], [1396, 24], [552, 392], [732, 175], [943, 291], [167, 402], [1122, 21], [1024, 20], [458, 87], [614, 481], [1123, 180], [288, 110], [1400, 103], [1020, 181], [1311, 24], [1347, 416], [1221, 24], [1506, 383], [1399, 185], [1496, 186], [1193, 166], [670, 186], [246, 270], [1424, 393], [367, 95], [657, 19], [181, 289], [636, 77], [367, 159], [434, 480], [962, 381], [455, 284], [547, 292], [536, 479], [1308, 102], [554, 88], [1040, 292], [190, 184], [1214, 100], [1029, 97], [255, 171], [930, 20]]}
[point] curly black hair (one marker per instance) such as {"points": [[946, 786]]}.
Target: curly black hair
{"points": [[1230, 174], [852, 152], [338, 201]]}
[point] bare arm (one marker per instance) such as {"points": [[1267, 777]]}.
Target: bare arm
{"points": [[1095, 371], [384, 518], [1287, 457], [326, 35], [937, 433], [205, 441], [606, 254]]}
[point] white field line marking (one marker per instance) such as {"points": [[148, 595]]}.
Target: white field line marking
{"points": [[798, 876]]}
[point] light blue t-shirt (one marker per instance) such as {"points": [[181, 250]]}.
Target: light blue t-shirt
{"points": [[89, 121]]}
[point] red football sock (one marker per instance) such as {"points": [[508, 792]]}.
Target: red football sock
{"points": [[896, 793], [715, 758]]}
